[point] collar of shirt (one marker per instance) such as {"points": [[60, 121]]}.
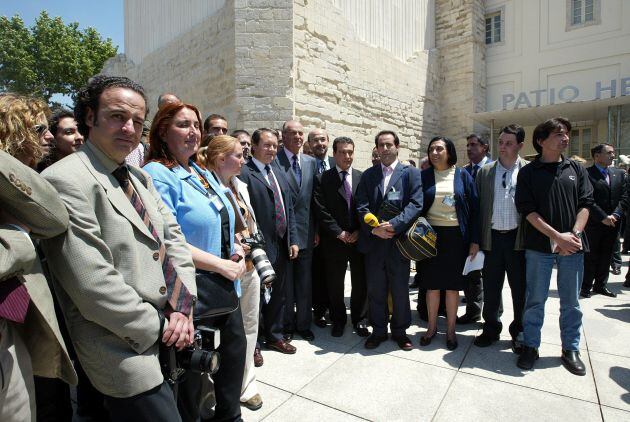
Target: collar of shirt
{"points": [[109, 164], [260, 166], [480, 164], [349, 171], [290, 156], [600, 168], [392, 166], [514, 166]]}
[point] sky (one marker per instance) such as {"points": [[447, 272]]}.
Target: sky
{"points": [[106, 16]]}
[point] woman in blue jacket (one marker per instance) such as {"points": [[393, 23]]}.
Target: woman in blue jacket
{"points": [[450, 206]]}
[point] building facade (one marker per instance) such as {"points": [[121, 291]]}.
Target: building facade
{"points": [[419, 67]]}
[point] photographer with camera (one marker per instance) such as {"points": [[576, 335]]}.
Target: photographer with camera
{"points": [[207, 218]]}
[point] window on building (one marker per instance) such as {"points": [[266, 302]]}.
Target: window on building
{"points": [[583, 13], [581, 142], [494, 26]]}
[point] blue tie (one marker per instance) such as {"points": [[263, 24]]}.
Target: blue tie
{"points": [[297, 170]]}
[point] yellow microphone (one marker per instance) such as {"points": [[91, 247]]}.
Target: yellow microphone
{"points": [[371, 220]]}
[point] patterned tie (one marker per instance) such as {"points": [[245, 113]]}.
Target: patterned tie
{"points": [[281, 218], [14, 300], [474, 172], [347, 188], [179, 298], [322, 167], [296, 170]]}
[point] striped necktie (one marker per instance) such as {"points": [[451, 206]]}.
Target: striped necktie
{"points": [[281, 218], [14, 300], [297, 170], [179, 298]]}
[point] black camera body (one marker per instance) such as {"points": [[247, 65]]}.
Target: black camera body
{"points": [[259, 258]]}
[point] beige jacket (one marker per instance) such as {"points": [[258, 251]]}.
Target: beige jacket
{"points": [[107, 271], [33, 201]]}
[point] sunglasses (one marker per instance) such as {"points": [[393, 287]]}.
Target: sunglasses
{"points": [[41, 129], [503, 183]]}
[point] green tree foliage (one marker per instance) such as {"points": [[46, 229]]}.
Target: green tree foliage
{"points": [[50, 57]]}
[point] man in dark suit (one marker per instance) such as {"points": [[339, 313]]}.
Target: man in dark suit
{"points": [[273, 207], [299, 170], [610, 193], [386, 268], [318, 142], [477, 151], [339, 224]]}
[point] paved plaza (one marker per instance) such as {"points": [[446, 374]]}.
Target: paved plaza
{"points": [[337, 379]]}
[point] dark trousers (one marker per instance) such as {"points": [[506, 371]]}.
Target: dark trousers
{"points": [[473, 293], [227, 381], [52, 398], [500, 260], [299, 291], [338, 256], [615, 259], [601, 240], [320, 290], [272, 321], [155, 405], [387, 270]]}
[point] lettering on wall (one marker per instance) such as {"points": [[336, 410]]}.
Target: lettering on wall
{"points": [[565, 94]]}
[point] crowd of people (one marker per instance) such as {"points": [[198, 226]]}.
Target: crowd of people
{"points": [[136, 224]]}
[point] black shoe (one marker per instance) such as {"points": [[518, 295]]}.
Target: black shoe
{"points": [[517, 346], [626, 283], [425, 340], [485, 340], [403, 342], [320, 321], [306, 335], [337, 330], [451, 344], [361, 329], [374, 341], [585, 294], [468, 319], [571, 360], [604, 291], [288, 336], [527, 358], [616, 271]]}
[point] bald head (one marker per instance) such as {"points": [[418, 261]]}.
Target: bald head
{"points": [[167, 98], [318, 141]]}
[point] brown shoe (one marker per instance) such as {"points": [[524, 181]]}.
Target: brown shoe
{"points": [[254, 403], [258, 359], [282, 347]]}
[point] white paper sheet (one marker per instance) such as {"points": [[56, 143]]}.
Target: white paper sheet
{"points": [[475, 264]]}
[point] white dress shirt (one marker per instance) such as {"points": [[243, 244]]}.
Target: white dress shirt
{"points": [[387, 174]]}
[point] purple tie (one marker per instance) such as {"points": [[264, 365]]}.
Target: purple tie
{"points": [[281, 218], [347, 188], [14, 300]]}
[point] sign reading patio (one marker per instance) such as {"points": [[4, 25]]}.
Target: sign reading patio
{"points": [[565, 94]]}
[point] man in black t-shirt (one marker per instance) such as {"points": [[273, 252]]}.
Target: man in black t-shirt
{"points": [[554, 195]]}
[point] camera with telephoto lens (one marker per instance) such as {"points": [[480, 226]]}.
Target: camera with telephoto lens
{"points": [[259, 258], [200, 357]]}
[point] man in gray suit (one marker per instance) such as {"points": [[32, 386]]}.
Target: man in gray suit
{"points": [[123, 273], [300, 171], [30, 341]]}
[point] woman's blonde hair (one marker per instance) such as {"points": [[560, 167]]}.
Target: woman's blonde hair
{"points": [[18, 118], [218, 146]]}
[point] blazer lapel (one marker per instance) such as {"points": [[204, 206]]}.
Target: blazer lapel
{"points": [[283, 162], [356, 177], [115, 194], [257, 174], [398, 171]]}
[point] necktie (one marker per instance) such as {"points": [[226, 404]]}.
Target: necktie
{"points": [[281, 218], [606, 176], [14, 300], [322, 167], [179, 298], [474, 172], [296, 170], [347, 188]]}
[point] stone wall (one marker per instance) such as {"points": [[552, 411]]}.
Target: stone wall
{"points": [[461, 48], [354, 89]]}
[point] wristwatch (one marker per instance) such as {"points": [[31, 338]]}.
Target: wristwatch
{"points": [[576, 232]]}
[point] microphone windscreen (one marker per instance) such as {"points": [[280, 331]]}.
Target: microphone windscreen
{"points": [[370, 219]]}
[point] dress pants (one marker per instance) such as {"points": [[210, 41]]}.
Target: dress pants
{"points": [[299, 291], [601, 240], [272, 321], [227, 381], [250, 308], [17, 392], [501, 259], [157, 404], [386, 269], [318, 274], [473, 293], [338, 256]]}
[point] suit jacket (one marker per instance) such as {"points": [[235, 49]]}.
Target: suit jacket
{"points": [[261, 197], [613, 199], [108, 274], [331, 206], [302, 196], [469, 167], [485, 191], [34, 202], [370, 195], [466, 201]]}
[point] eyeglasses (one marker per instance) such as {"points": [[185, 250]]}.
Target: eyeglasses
{"points": [[504, 181], [41, 129]]}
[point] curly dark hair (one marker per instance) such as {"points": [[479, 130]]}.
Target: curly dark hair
{"points": [[88, 97], [55, 118]]}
